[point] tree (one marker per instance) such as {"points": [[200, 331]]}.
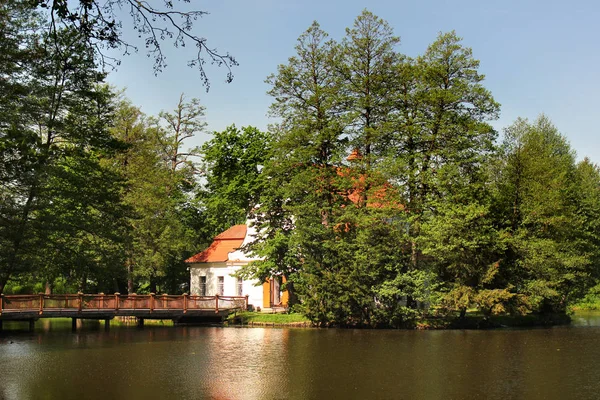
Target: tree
{"points": [[299, 194], [440, 143], [60, 123], [315, 217], [180, 125], [232, 164], [367, 70], [454, 138], [546, 259], [588, 209], [160, 178]]}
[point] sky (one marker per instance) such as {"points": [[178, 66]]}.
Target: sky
{"points": [[537, 56]]}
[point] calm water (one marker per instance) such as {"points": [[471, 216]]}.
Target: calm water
{"points": [[253, 363]]}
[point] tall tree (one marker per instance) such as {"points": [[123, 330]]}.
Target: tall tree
{"points": [[545, 259], [160, 179], [308, 144], [179, 126], [60, 123], [439, 143], [588, 209], [367, 72], [442, 136], [232, 164]]}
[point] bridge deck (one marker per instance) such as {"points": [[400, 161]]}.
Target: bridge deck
{"points": [[101, 306]]}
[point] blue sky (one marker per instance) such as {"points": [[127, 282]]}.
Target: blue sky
{"points": [[538, 56]]}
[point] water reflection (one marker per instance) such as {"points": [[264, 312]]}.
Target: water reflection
{"points": [[237, 363]]}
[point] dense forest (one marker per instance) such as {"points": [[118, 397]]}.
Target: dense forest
{"points": [[381, 193]]}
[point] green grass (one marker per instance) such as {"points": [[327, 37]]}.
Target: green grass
{"points": [[263, 318], [147, 322], [587, 305], [590, 302]]}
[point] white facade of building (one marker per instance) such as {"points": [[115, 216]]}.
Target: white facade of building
{"points": [[218, 277], [209, 279]]}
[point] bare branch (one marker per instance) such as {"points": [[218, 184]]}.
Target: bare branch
{"points": [[102, 29]]}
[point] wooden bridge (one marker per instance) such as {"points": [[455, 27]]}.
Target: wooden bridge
{"points": [[179, 308]]}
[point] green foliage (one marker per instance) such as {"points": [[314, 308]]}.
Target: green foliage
{"points": [[160, 177], [428, 212], [60, 210], [232, 165], [427, 216], [591, 300], [394, 309], [536, 193], [263, 318]]}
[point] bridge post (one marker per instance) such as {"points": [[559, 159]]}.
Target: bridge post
{"points": [[140, 322], [73, 324], [246, 308], [152, 302], [1, 325], [31, 325], [79, 301], [41, 303], [216, 303], [117, 294], [185, 302], [1, 303], [107, 324]]}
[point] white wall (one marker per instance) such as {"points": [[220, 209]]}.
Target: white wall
{"points": [[214, 270]]}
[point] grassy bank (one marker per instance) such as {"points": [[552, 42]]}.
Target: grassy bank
{"points": [[590, 302], [587, 304], [471, 321], [263, 319]]}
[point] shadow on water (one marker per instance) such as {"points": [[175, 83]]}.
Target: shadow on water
{"points": [[92, 332]]}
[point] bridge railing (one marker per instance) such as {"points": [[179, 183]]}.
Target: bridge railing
{"points": [[116, 302]]}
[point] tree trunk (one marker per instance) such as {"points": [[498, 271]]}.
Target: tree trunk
{"points": [[411, 302], [413, 254], [3, 280], [48, 288], [152, 285], [83, 284], [129, 265], [292, 296]]}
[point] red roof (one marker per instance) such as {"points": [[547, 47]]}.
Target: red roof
{"points": [[355, 155], [222, 245]]}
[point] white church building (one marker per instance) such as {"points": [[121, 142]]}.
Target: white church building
{"points": [[212, 271]]}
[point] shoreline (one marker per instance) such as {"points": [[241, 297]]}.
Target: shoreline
{"points": [[430, 323]]}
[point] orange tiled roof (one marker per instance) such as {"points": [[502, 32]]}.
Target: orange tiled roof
{"points": [[222, 245], [381, 196], [355, 155]]}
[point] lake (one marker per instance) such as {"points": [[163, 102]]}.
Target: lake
{"points": [[190, 362]]}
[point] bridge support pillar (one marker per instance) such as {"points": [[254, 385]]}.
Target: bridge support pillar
{"points": [[140, 322], [1, 325], [31, 325], [107, 324], [73, 324]]}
